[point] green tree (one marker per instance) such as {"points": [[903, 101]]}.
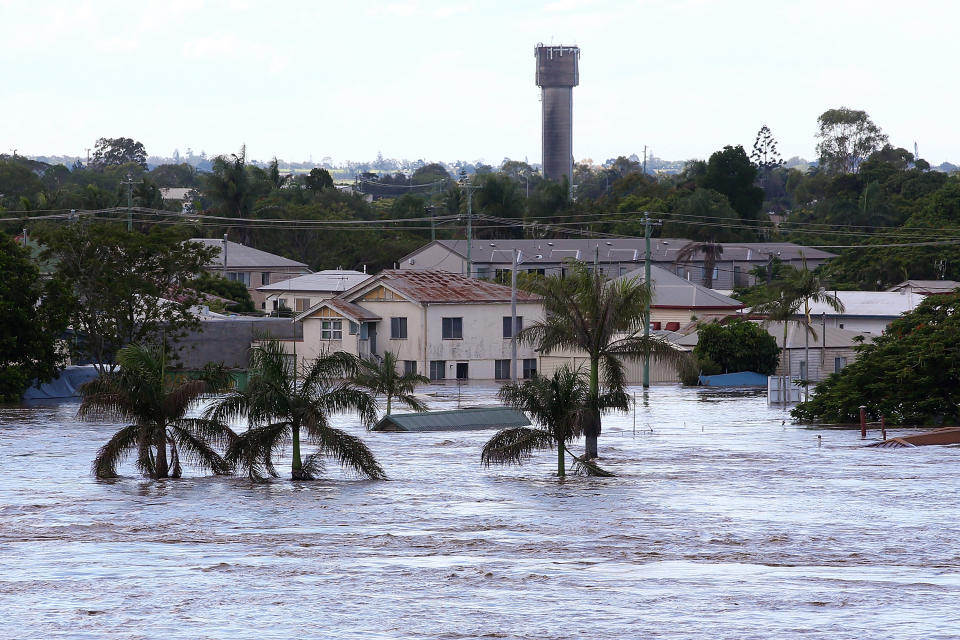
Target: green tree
{"points": [[738, 346], [847, 137], [219, 286], [382, 376], [281, 402], [730, 172], [234, 188], [160, 433], [700, 217], [33, 314], [561, 405], [318, 179], [118, 151], [129, 287], [174, 175], [910, 374], [604, 319]]}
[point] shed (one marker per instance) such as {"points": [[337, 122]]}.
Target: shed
{"points": [[454, 420]]}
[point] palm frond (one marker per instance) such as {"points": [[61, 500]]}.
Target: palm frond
{"points": [[515, 445], [198, 451], [348, 450], [586, 467], [115, 451], [253, 450], [177, 401], [216, 433], [313, 467]]}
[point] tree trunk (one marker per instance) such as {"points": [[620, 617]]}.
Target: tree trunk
{"points": [[296, 467], [160, 468], [389, 397], [591, 429], [561, 461]]}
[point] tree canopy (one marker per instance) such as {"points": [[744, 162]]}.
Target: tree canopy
{"points": [[117, 151], [847, 137], [739, 345]]}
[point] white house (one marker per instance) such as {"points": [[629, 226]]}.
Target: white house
{"points": [[864, 312], [440, 324], [301, 293]]}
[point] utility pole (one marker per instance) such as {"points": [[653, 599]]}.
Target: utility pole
{"points": [[644, 159], [130, 182], [469, 188], [513, 316], [647, 224], [224, 255]]}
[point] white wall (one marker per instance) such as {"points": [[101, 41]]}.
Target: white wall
{"points": [[436, 257]]}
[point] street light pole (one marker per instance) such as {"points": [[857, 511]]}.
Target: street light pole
{"points": [[513, 317]]}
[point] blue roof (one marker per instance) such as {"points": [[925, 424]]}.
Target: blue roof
{"points": [[454, 420]]}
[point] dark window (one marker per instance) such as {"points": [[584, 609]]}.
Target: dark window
{"points": [[529, 368], [501, 369], [398, 328], [452, 329], [354, 327], [365, 331], [462, 371], [264, 277], [331, 330], [409, 367], [839, 363], [438, 369], [506, 326]]}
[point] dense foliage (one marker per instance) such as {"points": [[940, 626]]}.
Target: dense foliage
{"points": [[219, 286], [739, 345], [910, 374], [33, 314]]}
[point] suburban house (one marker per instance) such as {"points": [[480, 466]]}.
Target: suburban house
{"points": [[443, 325], [864, 312], [678, 302], [253, 267], [615, 257], [926, 287], [302, 292]]}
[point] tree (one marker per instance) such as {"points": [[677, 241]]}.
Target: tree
{"points": [[156, 406], [738, 346], [277, 180], [129, 287], [561, 405], [174, 175], [765, 155], [604, 319], [383, 377], [117, 151], [33, 314], [731, 173], [700, 218], [282, 401], [910, 374], [219, 286], [234, 188], [847, 137], [318, 179]]}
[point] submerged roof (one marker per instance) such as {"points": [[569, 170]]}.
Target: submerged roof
{"points": [[327, 281], [240, 256], [443, 286], [616, 250], [671, 291], [454, 420]]}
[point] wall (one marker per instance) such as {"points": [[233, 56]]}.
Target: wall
{"points": [[436, 257], [228, 341]]}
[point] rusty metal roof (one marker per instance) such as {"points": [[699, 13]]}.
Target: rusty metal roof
{"points": [[443, 286]]}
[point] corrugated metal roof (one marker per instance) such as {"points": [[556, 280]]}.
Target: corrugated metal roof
{"points": [[443, 286], [672, 291], [927, 286], [455, 420], [617, 250], [240, 256], [874, 304], [326, 281]]}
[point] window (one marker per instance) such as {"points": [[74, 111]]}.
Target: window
{"points": [[239, 276], [538, 272], [703, 273], [803, 369], [839, 363], [398, 328], [483, 273], [501, 275], [680, 270], [365, 331], [264, 277], [452, 329], [506, 326], [529, 368], [438, 369], [409, 367], [301, 304], [462, 371], [501, 369], [331, 330], [354, 328]]}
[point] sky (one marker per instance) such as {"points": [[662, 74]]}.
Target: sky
{"points": [[431, 80]]}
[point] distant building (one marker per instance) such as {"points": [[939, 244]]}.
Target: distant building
{"points": [[302, 292], [253, 267], [926, 287], [616, 257], [442, 325], [864, 312], [677, 302]]}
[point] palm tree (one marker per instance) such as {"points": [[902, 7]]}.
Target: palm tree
{"points": [[279, 407], [382, 376], [234, 187], [156, 407], [561, 405], [711, 255], [587, 313]]}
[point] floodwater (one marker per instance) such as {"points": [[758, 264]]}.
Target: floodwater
{"points": [[721, 523]]}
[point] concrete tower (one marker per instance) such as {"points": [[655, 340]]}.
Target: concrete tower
{"points": [[558, 72]]}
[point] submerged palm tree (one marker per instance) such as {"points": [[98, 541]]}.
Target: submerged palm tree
{"points": [[586, 312], [382, 376], [156, 407], [280, 408], [561, 405]]}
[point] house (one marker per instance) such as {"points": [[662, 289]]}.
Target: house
{"points": [[253, 267], [864, 312], [439, 324], [302, 292], [926, 287], [615, 256], [678, 302]]}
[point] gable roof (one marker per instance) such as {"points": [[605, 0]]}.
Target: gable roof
{"points": [[927, 286], [439, 287], [240, 256], [347, 309], [670, 291], [326, 281]]}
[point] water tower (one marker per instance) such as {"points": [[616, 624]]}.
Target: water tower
{"points": [[558, 72]]}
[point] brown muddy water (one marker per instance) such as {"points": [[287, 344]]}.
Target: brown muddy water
{"points": [[721, 523]]}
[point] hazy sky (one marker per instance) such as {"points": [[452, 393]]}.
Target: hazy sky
{"points": [[440, 80]]}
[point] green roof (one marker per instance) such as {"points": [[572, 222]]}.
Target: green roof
{"points": [[455, 420]]}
